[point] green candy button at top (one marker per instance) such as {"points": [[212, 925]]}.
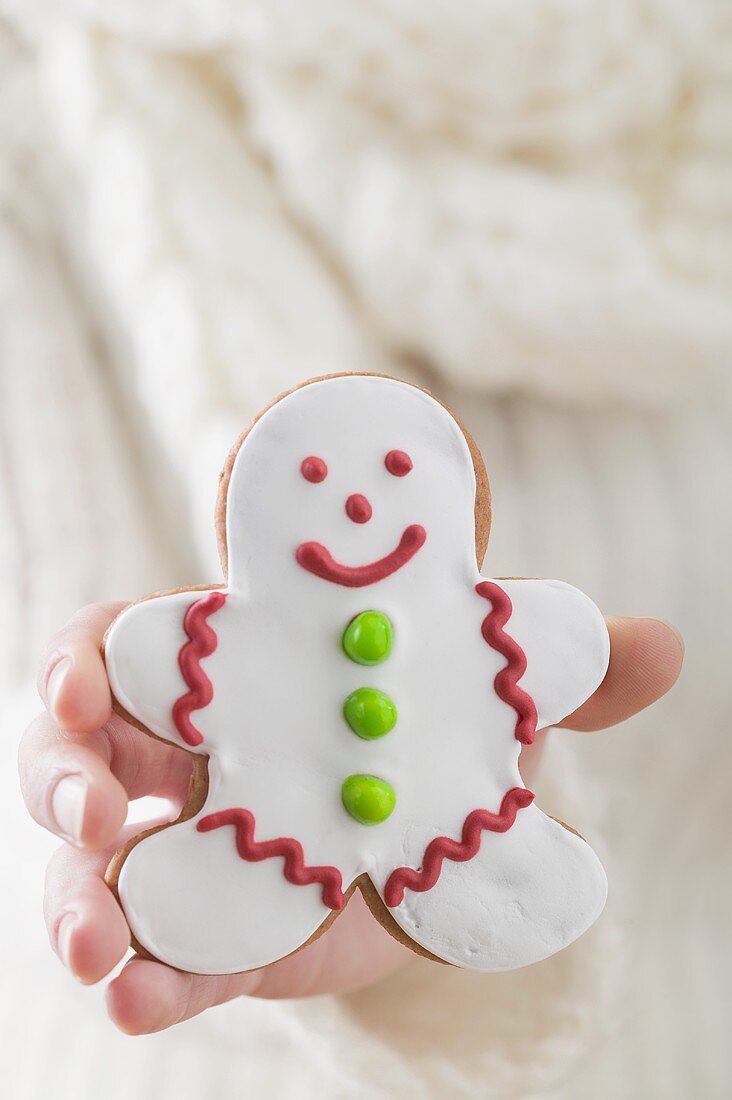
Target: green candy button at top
{"points": [[370, 713], [368, 799], [368, 638]]}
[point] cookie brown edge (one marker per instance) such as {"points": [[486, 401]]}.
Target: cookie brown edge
{"points": [[198, 785]]}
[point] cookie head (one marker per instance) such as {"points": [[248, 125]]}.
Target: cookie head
{"points": [[352, 493]]}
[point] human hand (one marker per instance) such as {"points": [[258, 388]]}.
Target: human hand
{"points": [[80, 765]]}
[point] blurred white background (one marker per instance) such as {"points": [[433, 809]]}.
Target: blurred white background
{"points": [[527, 207]]}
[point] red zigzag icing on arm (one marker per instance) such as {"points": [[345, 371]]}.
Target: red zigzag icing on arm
{"points": [[202, 643], [443, 847], [254, 851], [506, 681]]}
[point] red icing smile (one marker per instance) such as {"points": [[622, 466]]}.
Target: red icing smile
{"points": [[317, 559]]}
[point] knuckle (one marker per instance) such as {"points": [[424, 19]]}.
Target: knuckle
{"points": [[85, 627], [29, 748], [35, 727], [59, 871], [59, 865], [55, 651], [93, 618]]}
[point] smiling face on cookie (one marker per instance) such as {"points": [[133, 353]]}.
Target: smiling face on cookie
{"points": [[367, 492], [317, 559]]}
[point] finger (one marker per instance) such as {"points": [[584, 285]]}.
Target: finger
{"points": [[646, 656], [72, 680], [77, 786], [148, 996], [355, 951], [86, 926]]}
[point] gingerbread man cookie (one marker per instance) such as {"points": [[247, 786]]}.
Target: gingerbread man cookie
{"points": [[357, 696]]}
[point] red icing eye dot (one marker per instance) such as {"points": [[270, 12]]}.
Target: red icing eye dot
{"points": [[398, 463], [313, 469]]}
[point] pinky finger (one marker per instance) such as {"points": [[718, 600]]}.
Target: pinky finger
{"points": [[148, 996], [86, 926]]}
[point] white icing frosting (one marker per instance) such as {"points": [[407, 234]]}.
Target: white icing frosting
{"points": [[276, 739]]}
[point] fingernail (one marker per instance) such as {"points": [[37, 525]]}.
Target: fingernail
{"points": [[63, 937], [55, 682], [68, 803]]}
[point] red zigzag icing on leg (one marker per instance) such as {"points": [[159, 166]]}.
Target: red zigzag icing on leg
{"points": [[506, 681], [443, 847], [254, 851], [202, 643]]}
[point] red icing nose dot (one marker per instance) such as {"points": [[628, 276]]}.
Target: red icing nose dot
{"points": [[358, 508]]}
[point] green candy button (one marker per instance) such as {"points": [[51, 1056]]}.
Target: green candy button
{"points": [[369, 713], [367, 639], [368, 799]]}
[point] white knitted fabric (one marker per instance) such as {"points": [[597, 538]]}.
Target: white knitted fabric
{"points": [[527, 207]]}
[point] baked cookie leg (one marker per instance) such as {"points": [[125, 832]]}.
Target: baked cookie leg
{"points": [[192, 903], [528, 893]]}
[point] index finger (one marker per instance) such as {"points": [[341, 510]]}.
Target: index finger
{"points": [[72, 679]]}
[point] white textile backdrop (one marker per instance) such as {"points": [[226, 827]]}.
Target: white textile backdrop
{"points": [[526, 207]]}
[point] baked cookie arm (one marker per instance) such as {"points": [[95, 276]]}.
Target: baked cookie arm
{"points": [[562, 643], [156, 654]]}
